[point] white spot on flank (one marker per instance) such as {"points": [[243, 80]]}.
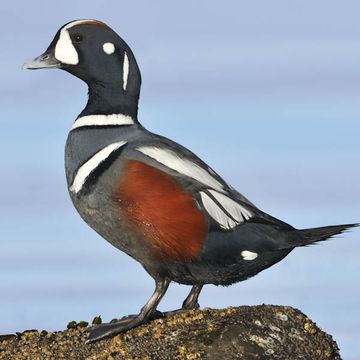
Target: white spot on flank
{"points": [[103, 120], [125, 71], [89, 166], [183, 166], [249, 255], [109, 48]]}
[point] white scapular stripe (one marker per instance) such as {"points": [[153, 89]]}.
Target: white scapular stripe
{"points": [[103, 120], [89, 166], [216, 213], [249, 255], [125, 71], [182, 166], [109, 48], [238, 212]]}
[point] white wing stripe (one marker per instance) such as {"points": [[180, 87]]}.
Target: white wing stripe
{"points": [[89, 166], [103, 120], [216, 213], [238, 212], [182, 166]]}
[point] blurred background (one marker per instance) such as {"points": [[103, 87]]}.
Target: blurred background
{"points": [[266, 92]]}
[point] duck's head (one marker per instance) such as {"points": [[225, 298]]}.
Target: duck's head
{"points": [[93, 52]]}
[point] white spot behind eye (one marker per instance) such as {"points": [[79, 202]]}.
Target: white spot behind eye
{"points": [[109, 48]]}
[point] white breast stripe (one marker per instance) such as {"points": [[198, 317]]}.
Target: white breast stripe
{"points": [[216, 213], [89, 166], [249, 255], [182, 166], [125, 70], [238, 212], [103, 120]]}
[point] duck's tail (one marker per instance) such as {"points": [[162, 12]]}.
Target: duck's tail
{"points": [[313, 235]]}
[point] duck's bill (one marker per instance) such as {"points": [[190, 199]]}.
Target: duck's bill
{"points": [[44, 61]]}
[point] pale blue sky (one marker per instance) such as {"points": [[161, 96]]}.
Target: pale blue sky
{"points": [[265, 92]]}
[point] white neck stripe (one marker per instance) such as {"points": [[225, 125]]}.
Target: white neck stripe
{"points": [[125, 71], [103, 120]]}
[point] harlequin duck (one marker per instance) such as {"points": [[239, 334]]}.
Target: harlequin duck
{"points": [[149, 196]]}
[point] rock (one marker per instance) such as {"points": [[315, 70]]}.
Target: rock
{"points": [[246, 332]]}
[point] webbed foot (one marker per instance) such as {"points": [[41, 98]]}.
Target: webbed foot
{"points": [[126, 323]]}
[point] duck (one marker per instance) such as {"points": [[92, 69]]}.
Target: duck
{"points": [[149, 196]]}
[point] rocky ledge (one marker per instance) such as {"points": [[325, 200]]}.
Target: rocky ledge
{"points": [[246, 332]]}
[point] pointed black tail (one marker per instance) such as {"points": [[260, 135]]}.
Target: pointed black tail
{"points": [[309, 236]]}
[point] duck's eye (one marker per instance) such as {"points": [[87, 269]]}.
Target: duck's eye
{"points": [[77, 38]]}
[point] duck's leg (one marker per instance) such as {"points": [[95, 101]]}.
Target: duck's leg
{"points": [[105, 330], [191, 302]]}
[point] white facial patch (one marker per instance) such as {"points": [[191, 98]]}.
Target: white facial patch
{"points": [[64, 49], [249, 255], [182, 166], [103, 120], [125, 71], [89, 166], [109, 48]]}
